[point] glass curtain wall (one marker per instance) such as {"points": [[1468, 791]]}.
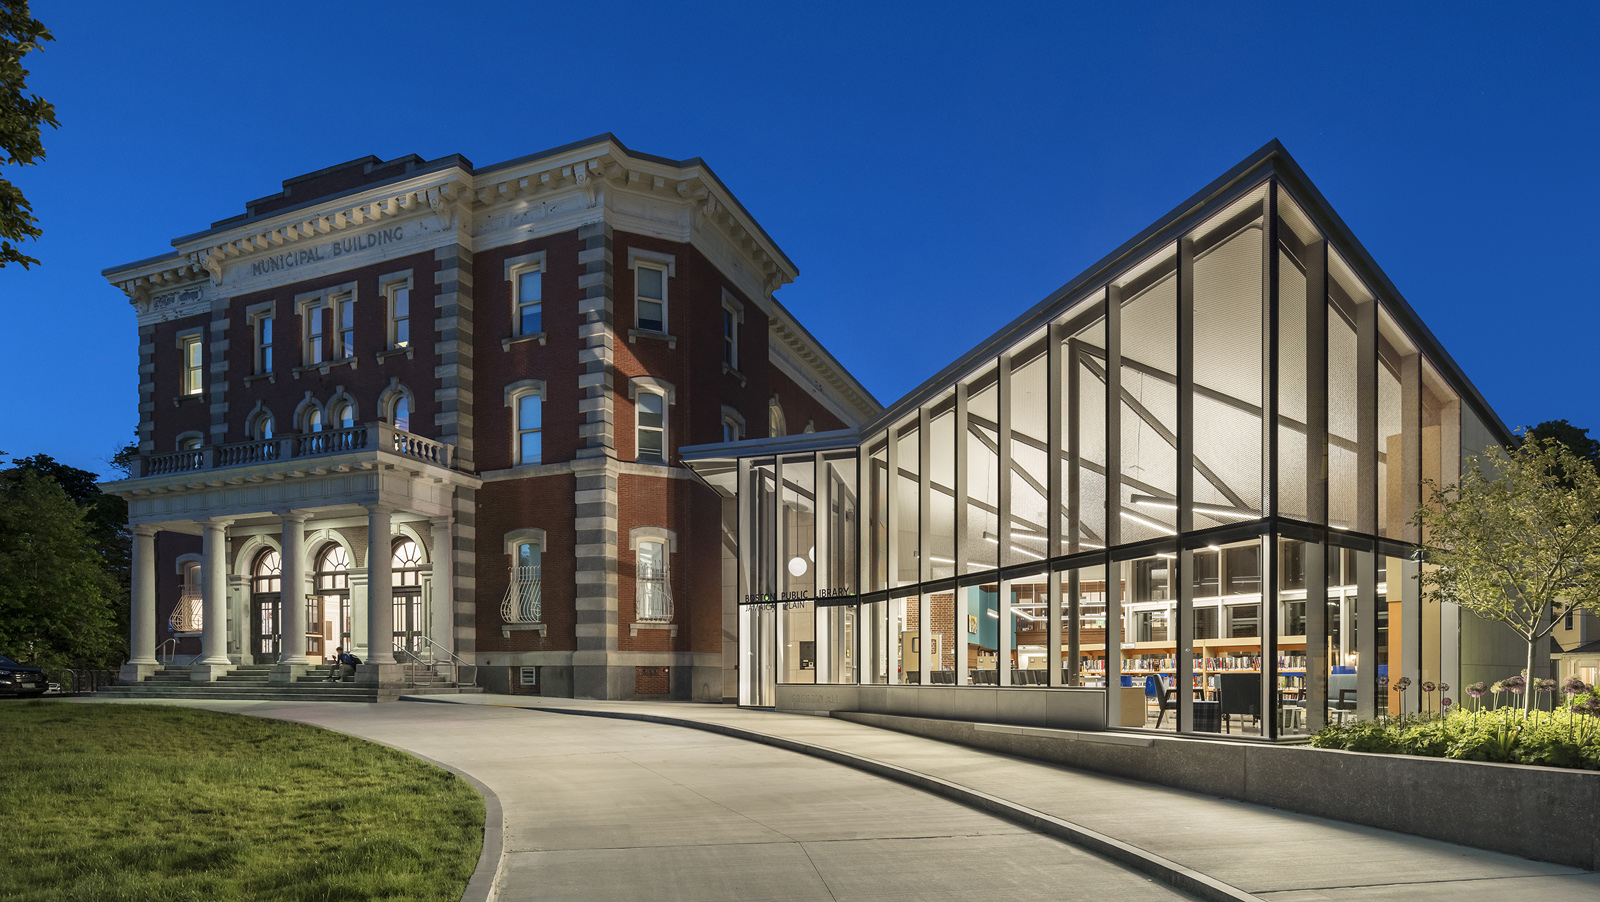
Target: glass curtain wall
{"points": [[1193, 488]]}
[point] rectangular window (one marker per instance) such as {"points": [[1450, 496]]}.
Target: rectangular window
{"points": [[530, 422], [730, 339], [191, 365], [399, 315], [316, 334], [346, 307], [1243, 565], [652, 427], [1205, 574], [654, 597], [1243, 621], [264, 344], [652, 298], [530, 303]]}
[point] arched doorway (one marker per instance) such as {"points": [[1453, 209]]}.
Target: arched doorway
{"points": [[328, 609], [406, 583], [266, 588]]}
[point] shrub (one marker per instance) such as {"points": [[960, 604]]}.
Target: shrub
{"points": [[1569, 737]]}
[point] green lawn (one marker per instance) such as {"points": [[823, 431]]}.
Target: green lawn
{"points": [[103, 803]]}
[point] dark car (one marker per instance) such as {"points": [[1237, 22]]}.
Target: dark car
{"points": [[20, 679]]}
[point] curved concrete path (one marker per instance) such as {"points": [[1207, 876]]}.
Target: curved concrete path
{"points": [[1248, 849], [605, 809], [597, 807]]}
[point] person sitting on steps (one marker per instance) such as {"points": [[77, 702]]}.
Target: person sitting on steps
{"points": [[344, 666]]}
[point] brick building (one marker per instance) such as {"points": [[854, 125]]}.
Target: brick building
{"points": [[486, 373]]}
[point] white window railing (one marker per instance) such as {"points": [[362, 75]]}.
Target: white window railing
{"points": [[188, 615], [653, 599], [522, 603]]}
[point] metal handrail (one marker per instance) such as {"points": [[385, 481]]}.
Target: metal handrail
{"points": [[452, 660], [170, 655]]}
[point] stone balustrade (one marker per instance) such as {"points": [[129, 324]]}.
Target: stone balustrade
{"points": [[368, 437]]}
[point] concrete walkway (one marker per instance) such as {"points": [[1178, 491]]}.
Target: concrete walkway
{"points": [[1265, 852], [597, 807], [622, 810]]}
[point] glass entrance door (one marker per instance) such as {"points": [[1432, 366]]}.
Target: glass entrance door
{"points": [[327, 626], [265, 633], [408, 626]]}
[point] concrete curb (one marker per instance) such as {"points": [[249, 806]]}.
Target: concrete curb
{"points": [[484, 884], [1163, 869]]}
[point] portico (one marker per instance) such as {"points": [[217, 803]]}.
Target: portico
{"points": [[367, 533]]}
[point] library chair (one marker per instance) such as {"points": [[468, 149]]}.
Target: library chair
{"points": [[1239, 693]]}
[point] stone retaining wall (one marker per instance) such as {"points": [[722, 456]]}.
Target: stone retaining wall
{"points": [[1543, 813]]}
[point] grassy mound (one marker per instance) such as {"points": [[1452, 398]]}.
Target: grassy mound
{"points": [[125, 802]]}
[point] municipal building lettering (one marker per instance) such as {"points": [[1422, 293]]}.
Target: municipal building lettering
{"points": [[353, 244]]}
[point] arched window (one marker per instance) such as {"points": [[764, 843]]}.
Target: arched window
{"points": [[406, 580], [333, 570], [267, 573], [522, 603], [189, 443], [261, 427], [341, 415], [328, 609], [313, 420], [776, 424], [402, 414], [266, 584], [187, 615], [404, 566]]}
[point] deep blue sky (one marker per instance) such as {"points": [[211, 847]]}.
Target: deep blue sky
{"points": [[933, 170]]}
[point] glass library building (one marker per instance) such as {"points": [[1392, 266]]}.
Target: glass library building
{"points": [[1177, 494]]}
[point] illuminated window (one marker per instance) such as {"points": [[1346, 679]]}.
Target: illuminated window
{"points": [[192, 359], [399, 303]]}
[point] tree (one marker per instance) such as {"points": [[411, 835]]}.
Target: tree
{"points": [[21, 117], [105, 515], [56, 596], [1576, 439], [1518, 542]]}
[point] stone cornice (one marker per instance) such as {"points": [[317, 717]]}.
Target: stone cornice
{"points": [[806, 354], [527, 196], [606, 166]]}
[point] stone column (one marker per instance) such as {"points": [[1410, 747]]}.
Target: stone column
{"points": [[442, 628], [142, 622], [380, 588], [214, 590], [292, 659], [293, 618]]}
